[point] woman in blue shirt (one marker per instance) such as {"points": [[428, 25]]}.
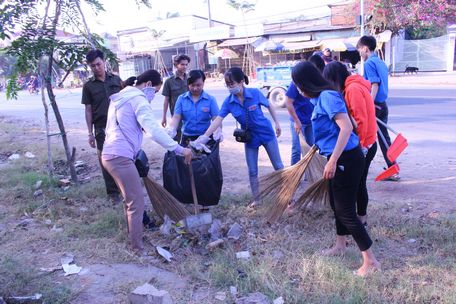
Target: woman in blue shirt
{"points": [[195, 107], [245, 105], [333, 133]]}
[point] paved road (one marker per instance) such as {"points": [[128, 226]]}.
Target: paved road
{"points": [[406, 105], [426, 116]]}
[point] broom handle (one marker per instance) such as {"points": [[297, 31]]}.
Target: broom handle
{"points": [[386, 126], [192, 184], [383, 138]]}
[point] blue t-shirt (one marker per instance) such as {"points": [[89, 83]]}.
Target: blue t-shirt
{"points": [[196, 116], [260, 127], [325, 129], [376, 71], [301, 104]]}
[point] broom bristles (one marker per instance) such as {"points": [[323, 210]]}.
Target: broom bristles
{"points": [[316, 193], [317, 164], [281, 186], [164, 203]]}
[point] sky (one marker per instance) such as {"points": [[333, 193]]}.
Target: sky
{"points": [[122, 16]]}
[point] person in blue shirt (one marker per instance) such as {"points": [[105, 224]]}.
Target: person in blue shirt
{"points": [[245, 105], [333, 133], [195, 107], [376, 72], [300, 110]]}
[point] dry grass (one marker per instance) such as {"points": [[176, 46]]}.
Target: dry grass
{"points": [[417, 251]]}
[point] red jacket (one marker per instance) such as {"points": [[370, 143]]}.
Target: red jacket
{"points": [[361, 107]]}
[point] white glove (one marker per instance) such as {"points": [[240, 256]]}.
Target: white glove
{"points": [[218, 134], [171, 131], [200, 144]]}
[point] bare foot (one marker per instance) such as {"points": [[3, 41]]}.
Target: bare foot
{"points": [[334, 251], [367, 269]]}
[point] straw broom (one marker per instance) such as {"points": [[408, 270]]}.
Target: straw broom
{"points": [[316, 193], [281, 185], [315, 170], [163, 201]]}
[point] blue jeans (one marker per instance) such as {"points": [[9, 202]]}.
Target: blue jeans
{"points": [[251, 157], [307, 131]]}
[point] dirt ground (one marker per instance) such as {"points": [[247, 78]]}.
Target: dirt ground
{"points": [[426, 188]]}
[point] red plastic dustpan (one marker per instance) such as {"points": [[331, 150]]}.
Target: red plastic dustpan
{"points": [[394, 169], [396, 148]]}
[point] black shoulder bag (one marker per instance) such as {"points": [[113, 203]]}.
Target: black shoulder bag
{"points": [[240, 134], [141, 160]]}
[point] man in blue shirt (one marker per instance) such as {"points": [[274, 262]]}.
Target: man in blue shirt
{"points": [[376, 71], [300, 110]]}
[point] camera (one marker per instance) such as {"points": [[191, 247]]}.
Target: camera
{"points": [[241, 135]]}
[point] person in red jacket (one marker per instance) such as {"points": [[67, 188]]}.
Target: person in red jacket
{"points": [[361, 107]]}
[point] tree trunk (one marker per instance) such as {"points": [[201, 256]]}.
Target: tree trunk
{"points": [[58, 117], [46, 122]]}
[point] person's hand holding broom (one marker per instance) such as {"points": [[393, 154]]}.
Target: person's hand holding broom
{"points": [[188, 155]]}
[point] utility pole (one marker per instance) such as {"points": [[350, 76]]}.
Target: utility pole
{"points": [[362, 17], [209, 12]]}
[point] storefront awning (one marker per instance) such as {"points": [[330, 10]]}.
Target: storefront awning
{"points": [[336, 45], [302, 45], [254, 41]]}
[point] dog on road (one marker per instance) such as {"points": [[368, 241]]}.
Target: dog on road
{"points": [[411, 70]]}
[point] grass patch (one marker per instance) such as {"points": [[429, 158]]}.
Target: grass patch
{"points": [[19, 278], [105, 225]]}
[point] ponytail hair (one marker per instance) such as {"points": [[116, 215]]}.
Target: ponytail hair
{"points": [[129, 82], [237, 75]]}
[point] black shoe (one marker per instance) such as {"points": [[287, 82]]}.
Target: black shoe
{"points": [[149, 224]]}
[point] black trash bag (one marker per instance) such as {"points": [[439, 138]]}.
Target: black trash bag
{"points": [[207, 170]]}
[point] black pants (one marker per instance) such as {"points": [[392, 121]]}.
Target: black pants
{"points": [[111, 187], [363, 196], [343, 189], [381, 112]]}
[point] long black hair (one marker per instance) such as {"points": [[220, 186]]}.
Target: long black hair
{"points": [[309, 80], [237, 75], [336, 73], [317, 61], [150, 75]]}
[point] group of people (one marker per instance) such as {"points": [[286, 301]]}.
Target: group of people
{"points": [[332, 109]]}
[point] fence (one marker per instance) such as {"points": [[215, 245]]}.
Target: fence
{"points": [[426, 54]]}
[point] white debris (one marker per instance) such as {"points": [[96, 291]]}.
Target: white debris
{"points": [[221, 296], [164, 253], [14, 156], [71, 269], [279, 300], [38, 184], [29, 154], [243, 255]]}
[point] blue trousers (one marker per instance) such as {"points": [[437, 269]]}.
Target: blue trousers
{"points": [[251, 157], [307, 131]]}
